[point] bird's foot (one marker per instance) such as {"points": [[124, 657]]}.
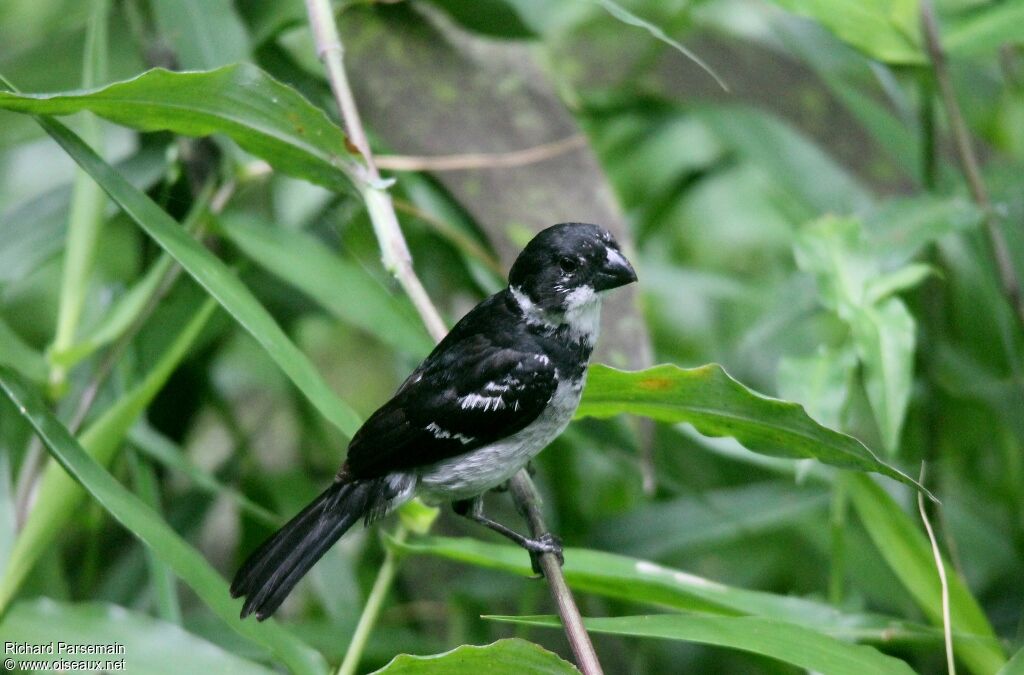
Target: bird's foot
{"points": [[546, 543]]}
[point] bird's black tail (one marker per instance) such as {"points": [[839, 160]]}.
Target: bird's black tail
{"points": [[269, 574]]}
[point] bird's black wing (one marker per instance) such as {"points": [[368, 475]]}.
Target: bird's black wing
{"points": [[470, 394]]}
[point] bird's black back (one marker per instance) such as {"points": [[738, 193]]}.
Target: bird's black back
{"points": [[492, 353]]}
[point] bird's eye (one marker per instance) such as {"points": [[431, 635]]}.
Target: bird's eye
{"points": [[568, 264]]}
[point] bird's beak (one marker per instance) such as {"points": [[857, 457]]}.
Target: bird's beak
{"points": [[616, 271]]}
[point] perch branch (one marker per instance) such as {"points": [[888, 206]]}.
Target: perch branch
{"points": [[398, 260], [528, 501], [969, 162]]}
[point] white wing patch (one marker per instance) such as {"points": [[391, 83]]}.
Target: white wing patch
{"points": [[444, 433], [479, 401]]}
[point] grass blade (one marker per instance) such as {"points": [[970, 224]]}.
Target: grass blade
{"points": [[634, 580], [340, 286], [797, 645], [58, 496], [142, 522], [85, 217], [212, 275]]}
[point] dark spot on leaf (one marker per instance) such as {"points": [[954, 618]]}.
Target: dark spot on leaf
{"points": [[351, 147]]}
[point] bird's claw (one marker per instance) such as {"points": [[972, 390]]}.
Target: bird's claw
{"points": [[546, 543]]}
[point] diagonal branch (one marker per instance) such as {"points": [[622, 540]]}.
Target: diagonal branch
{"points": [[969, 162], [398, 260], [483, 160]]}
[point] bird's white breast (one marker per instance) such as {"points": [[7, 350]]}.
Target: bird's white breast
{"points": [[479, 470]]}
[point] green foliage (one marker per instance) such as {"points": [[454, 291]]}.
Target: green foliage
{"points": [[131, 512], [504, 656], [801, 647], [809, 230], [718, 405], [150, 645], [263, 116]]}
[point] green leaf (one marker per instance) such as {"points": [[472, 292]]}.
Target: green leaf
{"points": [[511, 656], [712, 518], [33, 231], [338, 284], [150, 646], [887, 30], [161, 449], [832, 250], [885, 336], [119, 318], [821, 383], [85, 217], [162, 577], [1015, 666], [910, 557], [797, 645], [717, 405], [635, 580], [891, 283], [58, 496], [265, 117], [204, 33], [212, 275], [140, 520], [897, 229], [8, 512], [984, 30], [14, 352]]}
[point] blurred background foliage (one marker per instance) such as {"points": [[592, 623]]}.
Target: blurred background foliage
{"points": [[809, 229]]}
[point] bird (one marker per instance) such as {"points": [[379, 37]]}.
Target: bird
{"points": [[501, 386]]}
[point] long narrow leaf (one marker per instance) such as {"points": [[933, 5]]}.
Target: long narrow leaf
{"points": [[717, 405], [265, 117], [150, 646], [340, 285], [642, 581], [797, 645], [140, 520], [58, 496], [212, 275]]}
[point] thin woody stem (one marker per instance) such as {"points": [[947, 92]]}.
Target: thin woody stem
{"points": [[397, 259], [969, 163]]}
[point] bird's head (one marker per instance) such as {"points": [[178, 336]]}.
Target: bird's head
{"points": [[566, 267]]}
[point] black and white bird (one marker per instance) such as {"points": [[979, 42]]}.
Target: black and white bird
{"points": [[499, 387]]}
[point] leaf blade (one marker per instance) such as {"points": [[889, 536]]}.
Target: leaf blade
{"points": [[717, 405], [140, 520], [212, 275], [265, 117], [785, 642]]}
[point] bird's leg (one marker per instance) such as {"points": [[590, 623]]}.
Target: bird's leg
{"points": [[547, 543]]}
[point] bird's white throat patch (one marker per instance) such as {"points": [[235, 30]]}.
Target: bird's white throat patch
{"points": [[582, 312]]}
